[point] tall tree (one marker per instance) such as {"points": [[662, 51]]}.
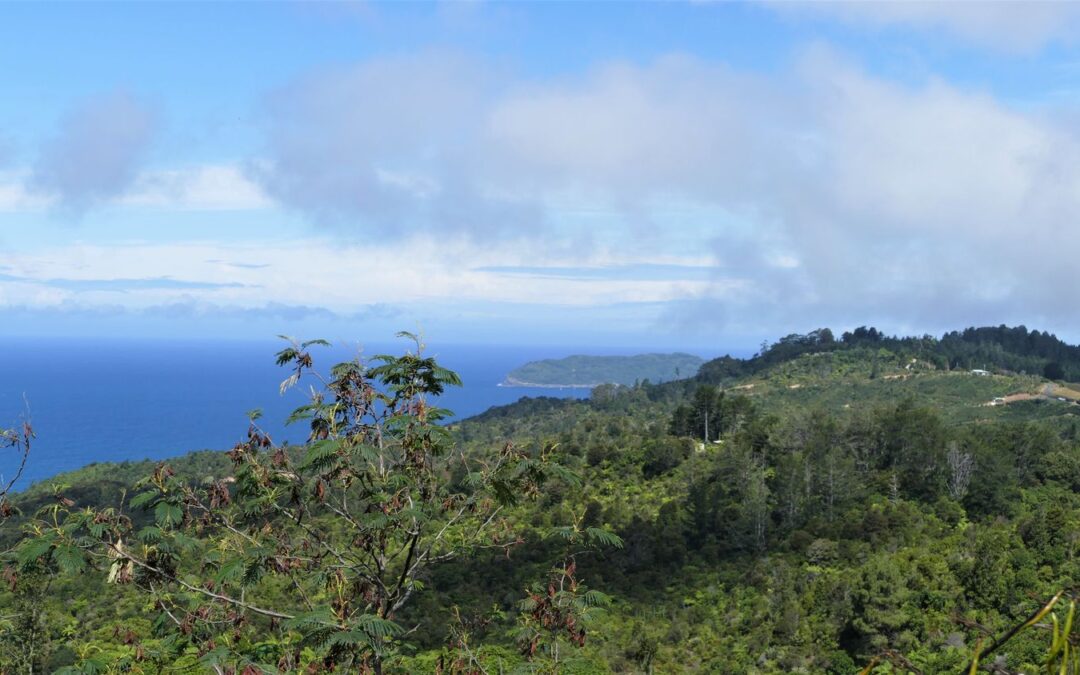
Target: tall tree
{"points": [[313, 551]]}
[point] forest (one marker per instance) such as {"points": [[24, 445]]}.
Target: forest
{"points": [[844, 505]]}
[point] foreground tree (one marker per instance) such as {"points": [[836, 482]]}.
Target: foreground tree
{"points": [[305, 556], [555, 615], [23, 634], [15, 444]]}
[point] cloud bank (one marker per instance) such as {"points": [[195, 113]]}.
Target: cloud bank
{"points": [[722, 199], [824, 193]]}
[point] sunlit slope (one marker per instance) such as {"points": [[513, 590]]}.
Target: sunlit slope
{"points": [[856, 380]]}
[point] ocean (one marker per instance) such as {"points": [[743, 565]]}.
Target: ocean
{"points": [[97, 400]]}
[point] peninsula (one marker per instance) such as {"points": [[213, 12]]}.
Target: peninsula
{"points": [[590, 371]]}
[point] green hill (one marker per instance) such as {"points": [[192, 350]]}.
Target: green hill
{"points": [[999, 349], [590, 371], [823, 506]]}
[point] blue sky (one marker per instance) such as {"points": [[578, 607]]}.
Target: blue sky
{"points": [[669, 174]]}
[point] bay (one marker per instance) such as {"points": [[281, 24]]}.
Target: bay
{"points": [[103, 400]]}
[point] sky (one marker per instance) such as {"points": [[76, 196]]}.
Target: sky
{"points": [[699, 175]]}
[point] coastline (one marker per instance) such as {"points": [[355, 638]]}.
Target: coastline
{"points": [[511, 382]]}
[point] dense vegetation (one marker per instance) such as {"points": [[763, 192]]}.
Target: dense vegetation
{"points": [[1002, 348], [828, 506], [589, 371]]}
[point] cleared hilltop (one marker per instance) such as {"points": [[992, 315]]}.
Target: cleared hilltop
{"points": [[979, 374]]}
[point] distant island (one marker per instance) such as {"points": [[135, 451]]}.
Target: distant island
{"points": [[590, 371]]}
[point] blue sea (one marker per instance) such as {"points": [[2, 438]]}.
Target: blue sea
{"points": [[102, 400]]}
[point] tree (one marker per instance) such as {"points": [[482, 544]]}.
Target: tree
{"points": [[709, 414], [961, 466], [25, 638], [23, 635], [17, 441], [824, 336], [555, 615], [306, 556], [1053, 371]]}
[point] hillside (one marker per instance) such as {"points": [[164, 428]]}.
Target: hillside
{"points": [[823, 506], [861, 379], [999, 349], [590, 371]]}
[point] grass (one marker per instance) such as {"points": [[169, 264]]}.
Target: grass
{"points": [[844, 381]]}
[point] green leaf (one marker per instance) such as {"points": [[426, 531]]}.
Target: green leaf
{"points": [[602, 536], [368, 453], [69, 559], [595, 599], [437, 414], [183, 542], [304, 412], [340, 371], [379, 627], [90, 666], [447, 376], [418, 514], [167, 514], [560, 471], [565, 532], [320, 455], [230, 571], [216, 656], [142, 499], [253, 571], [310, 620], [349, 638], [286, 355], [149, 534], [374, 520], [32, 549], [505, 493]]}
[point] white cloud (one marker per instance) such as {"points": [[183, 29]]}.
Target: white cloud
{"points": [[823, 194], [936, 201], [207, 187], [921, 156], [96, 152], [672, 126], [389, 143], [15, 196], [926, 203], [340, 278], [1006, 25], [835, 195]]}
